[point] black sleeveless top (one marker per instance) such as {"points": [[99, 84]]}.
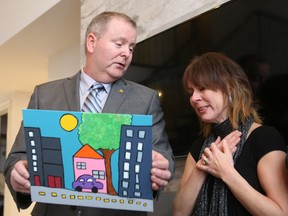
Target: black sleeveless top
{"points": [[261, 141]]}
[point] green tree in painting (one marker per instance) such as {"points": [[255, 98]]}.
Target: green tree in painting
{"points": [[102, 132]]}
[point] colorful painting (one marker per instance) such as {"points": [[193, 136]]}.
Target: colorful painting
{"points": [[90, 159]]}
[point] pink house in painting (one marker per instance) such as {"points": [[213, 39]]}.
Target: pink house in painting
{"points": [[88, 161]]}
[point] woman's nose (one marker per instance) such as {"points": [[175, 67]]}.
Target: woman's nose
{"points": [[195, 96]]}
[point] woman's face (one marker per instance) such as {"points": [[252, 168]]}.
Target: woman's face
{"points": [[209, 105]]}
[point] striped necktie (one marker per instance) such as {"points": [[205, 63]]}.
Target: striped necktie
{"points": [[92, 102]]}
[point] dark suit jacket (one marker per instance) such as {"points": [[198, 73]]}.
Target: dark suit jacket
{"points": [[64, 95]]}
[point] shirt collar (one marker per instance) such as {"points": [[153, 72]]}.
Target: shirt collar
{"points": [[86, 82]]}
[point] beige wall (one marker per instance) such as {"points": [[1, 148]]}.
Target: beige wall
{"points": [[65, 63]]}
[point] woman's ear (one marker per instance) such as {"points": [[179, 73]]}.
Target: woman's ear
{"points": [[230, 99]]}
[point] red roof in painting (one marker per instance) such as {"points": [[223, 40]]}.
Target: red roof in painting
{"points": [[87, 152]]}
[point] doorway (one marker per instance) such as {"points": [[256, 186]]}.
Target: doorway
{"points": [[3, 140]]}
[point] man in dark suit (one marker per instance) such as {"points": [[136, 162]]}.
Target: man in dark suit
{"points": [[110, 40]]}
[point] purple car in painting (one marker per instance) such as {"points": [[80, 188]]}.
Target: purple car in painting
{"points": [[87, 182]]}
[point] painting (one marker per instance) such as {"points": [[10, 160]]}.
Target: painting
{"points": [[89, 159]]}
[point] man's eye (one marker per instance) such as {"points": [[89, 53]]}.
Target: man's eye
{"points": [[118, 44], [131, 50]]}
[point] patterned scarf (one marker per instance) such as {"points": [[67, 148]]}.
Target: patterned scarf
{"points": [[215, 203]]}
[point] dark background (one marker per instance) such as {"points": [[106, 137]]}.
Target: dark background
{"points": [[238, 28]]}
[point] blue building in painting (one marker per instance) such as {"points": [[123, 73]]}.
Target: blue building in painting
{"points": [[135, 148]]}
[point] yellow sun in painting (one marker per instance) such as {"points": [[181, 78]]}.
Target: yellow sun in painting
{"points": [[68, 122]]}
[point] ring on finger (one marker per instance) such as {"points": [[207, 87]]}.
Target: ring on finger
{"points": [[204, 162]]}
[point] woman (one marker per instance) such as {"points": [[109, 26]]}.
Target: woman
{"points": [[219, 179]]}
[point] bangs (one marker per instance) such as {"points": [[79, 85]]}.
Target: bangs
{"points": [[203, 75]]}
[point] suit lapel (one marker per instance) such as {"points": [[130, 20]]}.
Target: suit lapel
{"points": [[115, 98], [71, 90], [118, 92]]}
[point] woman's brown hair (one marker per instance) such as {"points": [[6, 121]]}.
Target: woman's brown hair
{"points": [[216, 71]]}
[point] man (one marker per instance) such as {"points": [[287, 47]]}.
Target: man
{"points": [[110, 40]]}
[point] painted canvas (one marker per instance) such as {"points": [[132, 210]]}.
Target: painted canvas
{"points": [[89, 159]]}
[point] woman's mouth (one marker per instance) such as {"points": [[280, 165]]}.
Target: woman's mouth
{"points": [[203, 108]]}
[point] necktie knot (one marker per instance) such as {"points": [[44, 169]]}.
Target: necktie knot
{"points": [[93, 101], [97, 87]]}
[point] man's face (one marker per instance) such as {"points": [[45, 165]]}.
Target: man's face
{"points": [[113, 50]]}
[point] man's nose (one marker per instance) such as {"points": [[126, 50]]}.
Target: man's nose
{"points": [[126, 51]]}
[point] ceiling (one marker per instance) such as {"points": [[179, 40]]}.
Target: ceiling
{"points": [[24, 57]]}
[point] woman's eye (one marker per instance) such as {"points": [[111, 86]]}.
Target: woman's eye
{"points": [[190, 93]]}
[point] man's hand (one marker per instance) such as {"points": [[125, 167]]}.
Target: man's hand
{"points": [[160, 174], [19, 177]]}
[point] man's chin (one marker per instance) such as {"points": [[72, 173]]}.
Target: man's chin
{"points": [[117, 74]]}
